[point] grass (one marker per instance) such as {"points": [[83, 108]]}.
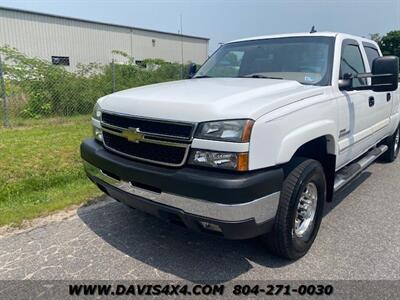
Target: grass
{"points": [[41, 171]]}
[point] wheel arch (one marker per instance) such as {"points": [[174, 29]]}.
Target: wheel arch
{"points": [[323, 150], [301, 136]]}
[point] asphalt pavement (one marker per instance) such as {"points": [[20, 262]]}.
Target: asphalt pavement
{"points": [[359, 239]]}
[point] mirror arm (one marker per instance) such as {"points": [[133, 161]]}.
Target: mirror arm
{"points": [[370, 75], [344, 86]]}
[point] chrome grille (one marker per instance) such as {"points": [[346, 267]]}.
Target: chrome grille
{"points": [[166, 146], [155, 127]]}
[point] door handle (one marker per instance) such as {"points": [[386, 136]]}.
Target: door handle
{"points": [[371, 101], [388, 97]]}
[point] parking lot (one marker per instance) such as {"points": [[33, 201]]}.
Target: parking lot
{"points": [[359, 239]]}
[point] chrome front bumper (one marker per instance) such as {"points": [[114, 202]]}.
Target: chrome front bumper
{"points": [[260, 210]]}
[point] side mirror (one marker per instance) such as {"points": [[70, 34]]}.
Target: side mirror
{"points": [[385, 74], [192, 70]]}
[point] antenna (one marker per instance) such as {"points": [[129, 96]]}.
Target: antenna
{"points": [[181, 47], [313, 30]]}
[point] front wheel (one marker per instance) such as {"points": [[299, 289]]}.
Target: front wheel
{"points": [[300, 210]]}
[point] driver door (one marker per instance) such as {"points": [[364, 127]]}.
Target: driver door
{"points": [[356, 109]]}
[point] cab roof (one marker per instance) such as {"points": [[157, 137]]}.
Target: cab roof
{"points": [[300, 34]]}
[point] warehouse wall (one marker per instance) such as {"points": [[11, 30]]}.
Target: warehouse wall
{"points": [[85, 42], [168, 47]]}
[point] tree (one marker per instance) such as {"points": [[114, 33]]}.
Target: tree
{"points": [[232, 59], [390, 43], [376, 37]]}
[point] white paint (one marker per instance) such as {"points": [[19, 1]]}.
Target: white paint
{"points": [[220, 146], [287, 113], [205, 99]]}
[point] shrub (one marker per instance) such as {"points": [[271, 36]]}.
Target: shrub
{"points": [[42, 89]]}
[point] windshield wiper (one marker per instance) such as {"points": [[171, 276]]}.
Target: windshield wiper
{"points": [[202, 76], [260, 76]]}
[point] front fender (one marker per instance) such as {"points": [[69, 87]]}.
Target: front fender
{"points": [[278, 135], [300, 136]]}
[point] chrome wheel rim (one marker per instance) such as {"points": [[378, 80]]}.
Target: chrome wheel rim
{"points": [[396, 141], [306, 210]]}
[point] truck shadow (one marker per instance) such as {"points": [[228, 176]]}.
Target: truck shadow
{"points": [[345, 191], [175, 250]]}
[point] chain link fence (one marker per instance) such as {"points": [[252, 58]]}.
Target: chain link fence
{"points": [[35, 89]]}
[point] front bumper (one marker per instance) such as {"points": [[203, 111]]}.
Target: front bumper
{"points": [[202, 200]]}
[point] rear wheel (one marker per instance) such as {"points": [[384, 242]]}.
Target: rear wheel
{"points": [[300, 210], [393, 143]]}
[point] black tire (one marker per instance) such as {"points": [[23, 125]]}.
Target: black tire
{"points": [[392, 152], [283, 241]]}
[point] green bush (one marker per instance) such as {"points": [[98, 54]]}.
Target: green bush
{"points": [[48, 90]]}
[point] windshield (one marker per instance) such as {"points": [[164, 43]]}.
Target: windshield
{"points": [[307, 60]]}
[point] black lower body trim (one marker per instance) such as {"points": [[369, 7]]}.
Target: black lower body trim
{"points": [[209, 185]]}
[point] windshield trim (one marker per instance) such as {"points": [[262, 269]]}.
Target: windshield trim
{"points": [[325, 81]]}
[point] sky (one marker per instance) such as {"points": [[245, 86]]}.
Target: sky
{"points": [[226, 20]]}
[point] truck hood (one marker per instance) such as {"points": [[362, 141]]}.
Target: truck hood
{"points": [[205, 99]]}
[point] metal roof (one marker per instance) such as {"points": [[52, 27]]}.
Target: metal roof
{"points": [[98, 22]]}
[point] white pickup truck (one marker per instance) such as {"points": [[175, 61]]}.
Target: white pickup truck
{"points": [[256, 141]]}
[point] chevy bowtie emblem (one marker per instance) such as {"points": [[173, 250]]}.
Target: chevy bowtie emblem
{"points": [[132, 135]]}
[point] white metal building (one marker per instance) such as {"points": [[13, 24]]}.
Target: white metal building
{"points": [[69, 41]]}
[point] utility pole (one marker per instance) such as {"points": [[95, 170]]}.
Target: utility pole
{"points": [[181, 49], [113, 74], [6, 121]]}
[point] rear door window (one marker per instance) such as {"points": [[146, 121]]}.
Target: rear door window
{"points": [[371, 52]]}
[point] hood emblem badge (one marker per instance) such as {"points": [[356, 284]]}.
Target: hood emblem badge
{"points": [[133, 135]]}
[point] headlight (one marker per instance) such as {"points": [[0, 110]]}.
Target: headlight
{"points": [[228, 131], [96, 112], [96, 123], [222, 160]]}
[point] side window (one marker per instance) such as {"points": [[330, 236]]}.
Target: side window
{"points": [[60, 60], [352, 63], [372, 53]]}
